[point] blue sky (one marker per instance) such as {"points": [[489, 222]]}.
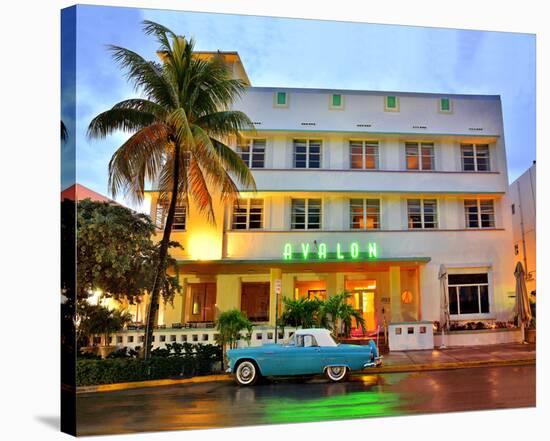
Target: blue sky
{"points": [[303, 53]]}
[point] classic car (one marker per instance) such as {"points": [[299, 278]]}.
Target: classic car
{"points": [[308, 352]]}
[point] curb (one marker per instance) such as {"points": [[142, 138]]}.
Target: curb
{"points": [[152, 383], [445, 366], [380, 370]]}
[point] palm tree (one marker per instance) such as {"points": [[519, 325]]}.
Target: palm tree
{"points": [[179, 135], [302, 312], [64, 132], [337, 314]]}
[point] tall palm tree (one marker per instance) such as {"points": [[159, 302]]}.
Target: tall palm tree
{"points": [[180, 131]]}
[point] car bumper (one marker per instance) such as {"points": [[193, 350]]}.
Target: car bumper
{"points": [[377, 362]]}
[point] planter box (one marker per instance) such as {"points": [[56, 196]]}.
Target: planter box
{"points": [[531, 335], [408, 336], [479, 337]]}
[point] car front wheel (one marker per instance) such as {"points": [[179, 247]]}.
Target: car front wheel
{"points": [[247, 373], [336, 373]]}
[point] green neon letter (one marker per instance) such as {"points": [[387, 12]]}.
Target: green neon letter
{"points": [[322, 253], [339, 254], [372, 250], [354, 250], [305, 250], [287, 253]]}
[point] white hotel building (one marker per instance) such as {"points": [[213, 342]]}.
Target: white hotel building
{"points": [[360, 191]]}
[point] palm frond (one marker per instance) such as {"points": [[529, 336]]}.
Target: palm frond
{"points": [[119, 118]]}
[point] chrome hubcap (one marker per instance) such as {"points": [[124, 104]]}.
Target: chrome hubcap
{"points": [[246, 372]]}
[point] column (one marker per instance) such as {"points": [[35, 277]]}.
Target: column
{"points": [[274, 274], [228, 292], [395, 293]]}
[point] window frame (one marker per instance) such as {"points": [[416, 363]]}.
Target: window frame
{"points": [[423, 214], [387, 108], [331, 104], [419, 155], [475, 157], [276, 99], [364, 144], [247, 207], [440, 105], [457, 286], [162, 210], [479, 214], [306, 214], [365, 206], [307, 153], [251, 143]]}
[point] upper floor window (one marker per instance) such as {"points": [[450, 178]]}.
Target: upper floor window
{"points": [[475, 157], [364, 214], [468, 294], [307, 153], [363, 154], [445, 105], [180, 216], [420, 156], [252, 152], [422, 213], [280, 99], [479, 213], [248, 214], [391, 103], [336, 101], [306, 214]]}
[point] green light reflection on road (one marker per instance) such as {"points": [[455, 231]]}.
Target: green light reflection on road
{"points": [[350, 405]]}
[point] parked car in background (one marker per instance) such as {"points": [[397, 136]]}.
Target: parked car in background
{"points": [[308, 352]]}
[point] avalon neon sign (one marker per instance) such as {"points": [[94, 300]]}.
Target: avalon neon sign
{"points": [[304, 251]]}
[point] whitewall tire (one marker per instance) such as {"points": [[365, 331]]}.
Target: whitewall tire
{"points": [[247, 373], [336, 373]]}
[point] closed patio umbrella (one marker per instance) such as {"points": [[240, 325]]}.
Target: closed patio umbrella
{"points": [[523, 308], [444, 312]]}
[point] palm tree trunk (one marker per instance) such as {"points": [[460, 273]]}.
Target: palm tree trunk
{"points": [[163, 253]]}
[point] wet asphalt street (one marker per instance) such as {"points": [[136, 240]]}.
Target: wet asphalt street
{"points": [[223, 404]]}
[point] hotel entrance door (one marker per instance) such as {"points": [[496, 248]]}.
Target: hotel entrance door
{"points": [[363, 301]]}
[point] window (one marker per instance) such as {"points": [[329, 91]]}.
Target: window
{"points": [[280, 99], [479, 213], [252, 152], [307, 153], [364, 214], [468, 294], [180, 216], [445, 105], [420, 156], [248, 214], [255, 300], [391, 103], [306, 214], [475, 157], [363, 154], [513, 208], [422, 213], [203, 302], [336, 101]]}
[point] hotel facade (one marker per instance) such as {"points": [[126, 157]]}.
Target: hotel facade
{"points": [[359, 191]]}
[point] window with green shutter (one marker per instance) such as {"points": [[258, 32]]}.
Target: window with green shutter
{"points": [[336, 100], [391, 103], [445, 105], [281, 98]]}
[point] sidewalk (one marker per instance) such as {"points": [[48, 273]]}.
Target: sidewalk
{"points": [[457, 357], [406, 361]]}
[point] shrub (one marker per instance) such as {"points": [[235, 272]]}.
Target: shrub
{"points": [[124, 367]]}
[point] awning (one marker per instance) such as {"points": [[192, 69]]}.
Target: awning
{"points": [[235, 266]]}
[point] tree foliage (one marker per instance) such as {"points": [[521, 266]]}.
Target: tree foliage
{"points": [[337, 314], [230, 324], [115, 252], [301, 312]]}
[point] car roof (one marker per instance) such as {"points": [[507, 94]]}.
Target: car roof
{"points": [[322, 336]]}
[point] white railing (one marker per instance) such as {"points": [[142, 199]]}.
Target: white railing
{"points": [[197, 336]]}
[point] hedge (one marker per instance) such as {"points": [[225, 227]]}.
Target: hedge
{"points": [[122, 370]]}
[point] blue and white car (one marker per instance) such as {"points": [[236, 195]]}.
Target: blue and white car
{"points": [[308, 352]]}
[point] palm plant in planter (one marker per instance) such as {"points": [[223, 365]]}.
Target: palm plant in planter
{"points": [[301, 312], [229, 325], [338, 315]]}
